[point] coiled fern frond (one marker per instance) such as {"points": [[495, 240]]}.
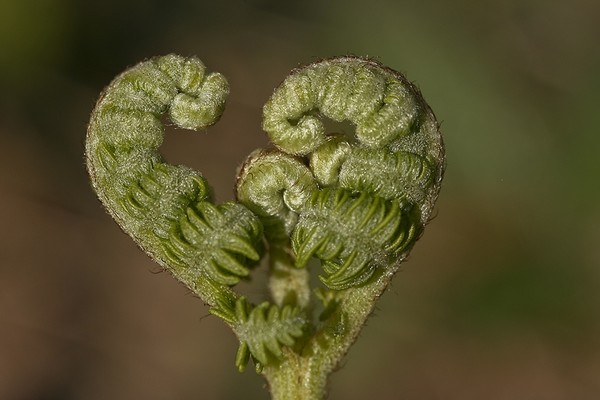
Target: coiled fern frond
{"points": [[167, 209], [373, 188], [355, 202]]}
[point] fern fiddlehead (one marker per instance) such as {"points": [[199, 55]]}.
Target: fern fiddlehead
{"points": [[167, 209], [375, 189], [363, 199], [356, 202]]}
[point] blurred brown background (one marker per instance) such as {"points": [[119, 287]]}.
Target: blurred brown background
{"points": [[499, 300]]}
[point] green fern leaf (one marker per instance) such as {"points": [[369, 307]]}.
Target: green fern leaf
{"points": [[264, 329]]}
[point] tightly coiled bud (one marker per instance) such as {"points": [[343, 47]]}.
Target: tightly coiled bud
{"points": [[374, 188], [167, 208]]}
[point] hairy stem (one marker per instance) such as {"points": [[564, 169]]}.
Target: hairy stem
{"points": [[297, 378], [288, 284], [304, 375]]}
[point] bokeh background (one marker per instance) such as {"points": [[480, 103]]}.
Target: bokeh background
{"points": [[499, 300]]}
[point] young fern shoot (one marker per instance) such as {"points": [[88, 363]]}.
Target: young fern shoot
{"points": [[354, 202]]}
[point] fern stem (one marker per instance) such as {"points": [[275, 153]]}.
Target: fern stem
{"points": [[304, 375], [287, 283], [297, 378]]}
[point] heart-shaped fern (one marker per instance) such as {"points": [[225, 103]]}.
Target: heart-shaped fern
{"points": [[353, 201]]}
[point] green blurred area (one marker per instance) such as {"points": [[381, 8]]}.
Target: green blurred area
{"points": [[500, 298]]}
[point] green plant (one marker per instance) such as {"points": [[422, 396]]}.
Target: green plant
{"points": [[355, 202]]}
